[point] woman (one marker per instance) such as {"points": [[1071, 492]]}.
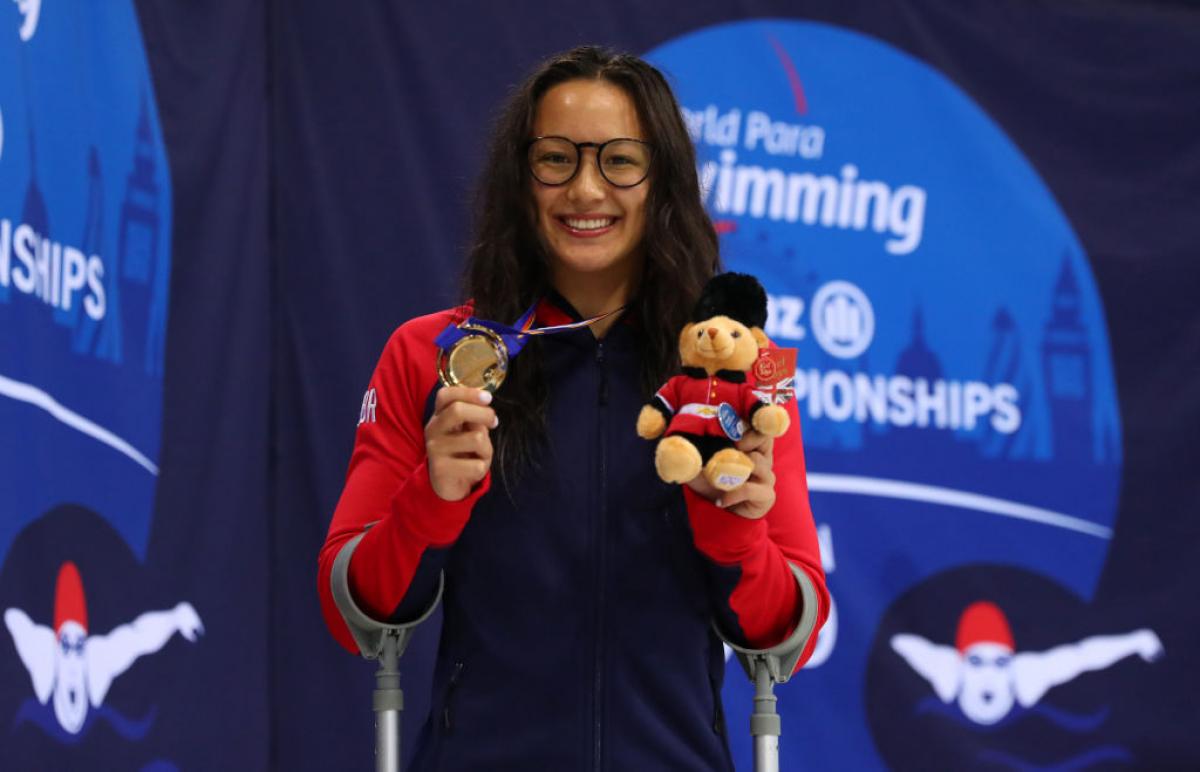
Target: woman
{"points": [[580, 591]]}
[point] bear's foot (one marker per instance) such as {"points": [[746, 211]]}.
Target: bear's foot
{"points": [[728, 469], [677, 460], [771, 421]]}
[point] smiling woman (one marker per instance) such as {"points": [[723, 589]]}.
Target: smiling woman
{"points": [[563, 587], [591, 229]]}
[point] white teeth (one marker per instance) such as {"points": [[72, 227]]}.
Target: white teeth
{"points": [[589, 225]]}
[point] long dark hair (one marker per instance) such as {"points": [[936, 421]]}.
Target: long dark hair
{"points": [[507, 268]]}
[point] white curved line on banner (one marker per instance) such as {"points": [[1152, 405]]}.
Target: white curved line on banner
{"points": [[23, 392], [931, 494]]}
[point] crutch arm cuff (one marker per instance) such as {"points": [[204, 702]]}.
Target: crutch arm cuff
{"points": [[367, 631], [781, 659]]}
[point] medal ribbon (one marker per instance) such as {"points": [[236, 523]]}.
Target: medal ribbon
{"points": [[516, 336]]}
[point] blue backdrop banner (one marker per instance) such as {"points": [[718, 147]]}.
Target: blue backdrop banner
{"points": [[85, 263]]}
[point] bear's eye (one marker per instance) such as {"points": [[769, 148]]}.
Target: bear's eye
{"points": [[700, 334], [737, 334]]}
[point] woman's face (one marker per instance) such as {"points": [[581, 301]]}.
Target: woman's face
{"points": [[588, 225]]}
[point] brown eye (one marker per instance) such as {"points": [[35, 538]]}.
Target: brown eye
{"points": [[700, 334], [737, 334]]}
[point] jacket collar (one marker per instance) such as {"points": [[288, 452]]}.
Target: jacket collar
{"points": [[554, 309], [733, 376]]}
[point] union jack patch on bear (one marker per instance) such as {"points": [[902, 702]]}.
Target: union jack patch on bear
{"points": [[774, 373]]}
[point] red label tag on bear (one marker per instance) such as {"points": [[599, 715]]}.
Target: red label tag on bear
{"points": [[774, 373]]}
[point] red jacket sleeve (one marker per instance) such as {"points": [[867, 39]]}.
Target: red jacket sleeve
{"points": [[765, 599], [388, 493]]}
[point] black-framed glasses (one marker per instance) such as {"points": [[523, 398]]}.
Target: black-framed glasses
{"points": [[623, 162]]}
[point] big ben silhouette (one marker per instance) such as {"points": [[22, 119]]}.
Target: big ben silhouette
{"points": [[1007, 363], [1067, 371], [137, 251]]}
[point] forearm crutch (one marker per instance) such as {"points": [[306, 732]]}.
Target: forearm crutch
{"points": [[767, 667], [383, 642]]}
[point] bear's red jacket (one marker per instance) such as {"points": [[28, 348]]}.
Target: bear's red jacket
{"points": [[578, 606], [692, 399]]}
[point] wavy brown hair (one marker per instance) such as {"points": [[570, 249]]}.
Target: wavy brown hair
{"points": [[508, 270]]}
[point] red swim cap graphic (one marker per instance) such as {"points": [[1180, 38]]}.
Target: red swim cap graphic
{"points": [[69, 603], [983, 622]]}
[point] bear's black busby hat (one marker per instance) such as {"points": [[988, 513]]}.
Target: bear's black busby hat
{"points": [[736, 295]]}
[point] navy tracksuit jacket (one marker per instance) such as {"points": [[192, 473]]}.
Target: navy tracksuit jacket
{"points": [[578, 613]]}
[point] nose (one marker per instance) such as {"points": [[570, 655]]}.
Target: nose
{"points": [[712, 332], [588, 185]]}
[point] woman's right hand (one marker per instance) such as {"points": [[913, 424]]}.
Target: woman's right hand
{"points": [[458, 448]]}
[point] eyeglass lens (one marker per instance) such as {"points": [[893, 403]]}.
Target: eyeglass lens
{"points": [[623, 162]]}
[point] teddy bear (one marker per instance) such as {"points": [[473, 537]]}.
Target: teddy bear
{"points": [[702, 413]]}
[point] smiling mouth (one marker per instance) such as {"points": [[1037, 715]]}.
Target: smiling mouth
{"points": [[587, 225]]}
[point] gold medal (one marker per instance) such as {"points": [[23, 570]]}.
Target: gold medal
{"points": [[479, 359], [476, 354]]}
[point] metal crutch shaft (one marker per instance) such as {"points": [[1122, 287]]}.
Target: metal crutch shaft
{"points": [[388, 701], [767, 667], [765, 725]]}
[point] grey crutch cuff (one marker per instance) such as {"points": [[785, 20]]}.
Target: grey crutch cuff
{"points": [[781, 659], [367, 631]]}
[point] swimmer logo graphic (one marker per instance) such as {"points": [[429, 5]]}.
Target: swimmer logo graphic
{"points": [[76, 667], [988, 665], [953, 379], [987, 678]]}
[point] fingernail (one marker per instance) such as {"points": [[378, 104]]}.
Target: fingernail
{"points": [[495, 421], [720, 503], [485, 397]]}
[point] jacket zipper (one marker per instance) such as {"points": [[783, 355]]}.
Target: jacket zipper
{"points": [[447, 724], [599, 533], [718, 725]]}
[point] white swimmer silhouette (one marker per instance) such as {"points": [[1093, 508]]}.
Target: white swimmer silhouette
{"points": [[78, 668], [985, 674]]}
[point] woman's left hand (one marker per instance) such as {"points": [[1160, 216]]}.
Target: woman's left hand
{"points": [[756, 497]]}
